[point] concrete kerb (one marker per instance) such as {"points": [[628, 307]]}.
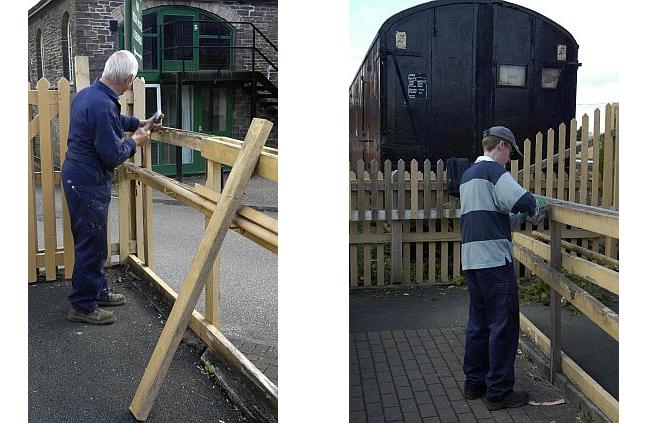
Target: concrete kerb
{"points": [[534, 354]]}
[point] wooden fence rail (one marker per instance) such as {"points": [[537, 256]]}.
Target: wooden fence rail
{"points": [[405, 227]]}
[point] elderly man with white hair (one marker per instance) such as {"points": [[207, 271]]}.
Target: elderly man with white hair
{"points": [[95, 148]]}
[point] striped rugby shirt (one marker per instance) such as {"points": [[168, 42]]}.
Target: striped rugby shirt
{"points": [[492, 204]]}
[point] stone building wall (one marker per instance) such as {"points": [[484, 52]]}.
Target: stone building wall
{"points": [[90, 21]]}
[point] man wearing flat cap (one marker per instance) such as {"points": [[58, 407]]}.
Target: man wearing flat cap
{"points": [[492, 205]]}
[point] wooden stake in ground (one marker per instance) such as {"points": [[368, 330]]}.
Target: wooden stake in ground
{"points": [[195, 279]]}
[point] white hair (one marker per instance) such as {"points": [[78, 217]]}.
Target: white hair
{"points": [[121, 67]]}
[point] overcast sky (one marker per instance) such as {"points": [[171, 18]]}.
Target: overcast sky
{"points": [[590, 23]]}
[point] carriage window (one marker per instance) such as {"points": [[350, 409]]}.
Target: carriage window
{"points": [[512, 76], [550, 78]]}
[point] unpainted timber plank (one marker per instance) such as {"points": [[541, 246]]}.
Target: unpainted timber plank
{"points": [[213, 284], [204, 258], [600, 223], [64, 129], [595, 168], [81, 72], [32, 270], [550, 175], [584, 159], [396, 252], [362, 206], [539, 140], [124, 212], [139, 112], [561, 174], [572, 160], [49, 217]]}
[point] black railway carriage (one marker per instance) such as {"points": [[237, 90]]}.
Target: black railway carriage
{"points": [[438, 74]]}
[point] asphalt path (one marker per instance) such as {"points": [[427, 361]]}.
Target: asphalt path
{"points": [[249, 273], [438, 307], [86, 373]]}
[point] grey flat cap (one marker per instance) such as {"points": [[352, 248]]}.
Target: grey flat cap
{"points": [[505, 134]]}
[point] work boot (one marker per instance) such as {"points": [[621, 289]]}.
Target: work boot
{"points": [[475, 393], [111, 300], [95, 317], [513, 400]]}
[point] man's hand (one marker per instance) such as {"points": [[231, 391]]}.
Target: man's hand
{"points": [[141, 136], [540, 216], [151, 125]]}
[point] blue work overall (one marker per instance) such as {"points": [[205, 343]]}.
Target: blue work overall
{"points": [[95, 148], [492, 331]]}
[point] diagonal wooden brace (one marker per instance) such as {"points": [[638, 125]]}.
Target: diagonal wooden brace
{"points": [[195, 278]]}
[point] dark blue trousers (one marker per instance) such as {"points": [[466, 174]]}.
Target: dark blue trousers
{"points": [[88, 194], [492, 331]]}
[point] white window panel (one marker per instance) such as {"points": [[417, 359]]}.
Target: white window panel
{"points": [[512, 75], [550, 78]]}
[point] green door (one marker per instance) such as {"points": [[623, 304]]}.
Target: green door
{"points": [[213, 110]]}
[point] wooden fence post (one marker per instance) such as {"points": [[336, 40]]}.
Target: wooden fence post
{"points": [[555, 231], [561, 174], [374, 204], [139, 112], [64, 128], [32, 273], [47, 177], [125, 212], [354, 275], [81, 72], [365, 226], [388, 207], [608, 172], [213, 284]]}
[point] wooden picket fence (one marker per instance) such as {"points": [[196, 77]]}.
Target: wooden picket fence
{"points": [[44, 106], [49, 109], [405, 227]]}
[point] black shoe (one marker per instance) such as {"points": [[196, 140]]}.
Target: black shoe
{"points": [[111, 300], [513, 400], [472, 394]]}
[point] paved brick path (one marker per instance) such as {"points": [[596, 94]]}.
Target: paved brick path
{"points": [[263, 355], [417, 376]]}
